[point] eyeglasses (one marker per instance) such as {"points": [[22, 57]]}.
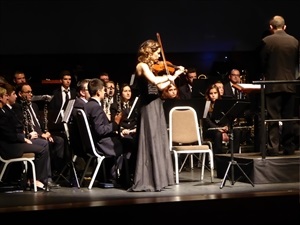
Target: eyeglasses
{"points": [[27, 92], [236, 75]]}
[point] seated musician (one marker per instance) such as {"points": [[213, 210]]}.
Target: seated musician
{"points": [[128, 124], [220, 131], [234, 78], [38, 125]]}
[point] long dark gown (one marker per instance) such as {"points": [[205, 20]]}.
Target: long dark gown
{"points": [[154, 166]]}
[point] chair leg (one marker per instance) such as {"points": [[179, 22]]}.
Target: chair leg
{"points": [[33, 174], [99, 161], [3, 170], [192, 161], [184, 161], [211, 157], [85, 170], [176, 168], [203, 166]]}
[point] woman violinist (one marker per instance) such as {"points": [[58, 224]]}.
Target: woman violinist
{"points": [[154, 168]]}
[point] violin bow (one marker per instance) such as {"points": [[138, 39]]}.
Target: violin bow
{"points": [[162, 53]]}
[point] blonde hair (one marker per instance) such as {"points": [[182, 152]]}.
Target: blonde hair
{"points": [[146, 50], [3, 91]]}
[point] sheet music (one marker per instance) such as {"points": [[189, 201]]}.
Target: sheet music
{"points": [[67, 111]]}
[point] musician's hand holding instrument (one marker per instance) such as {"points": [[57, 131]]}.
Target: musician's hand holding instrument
{"points": [[47, 136], [33, 135], [167, 66]]}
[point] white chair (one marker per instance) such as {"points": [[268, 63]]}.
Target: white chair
{"points": [[184, 138], [26, 157], [88, 145]]}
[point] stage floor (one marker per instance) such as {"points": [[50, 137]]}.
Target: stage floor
{"points": [[189, 193], [190, 196]]}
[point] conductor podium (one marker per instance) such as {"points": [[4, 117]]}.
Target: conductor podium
{"points": [[235, 111]]}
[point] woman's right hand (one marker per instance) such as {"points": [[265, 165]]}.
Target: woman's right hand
{"points": [[171, 78]]}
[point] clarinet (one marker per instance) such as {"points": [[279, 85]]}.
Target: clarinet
{"points": [[26, 118], [46, 114], [119, 104], [106, 105]]}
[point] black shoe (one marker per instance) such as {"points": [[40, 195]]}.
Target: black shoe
{"points": [[272, 153], [44, 188], [53, 185]]}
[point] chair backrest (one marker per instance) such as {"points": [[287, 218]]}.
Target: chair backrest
{"points": [[183, 126], [75, 139], [85, 133]]}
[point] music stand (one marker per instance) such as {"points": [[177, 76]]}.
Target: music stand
{"points": [[234, 112], [65, 119]]}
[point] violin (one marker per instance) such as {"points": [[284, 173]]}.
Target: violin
{"points": [[159, 68]]}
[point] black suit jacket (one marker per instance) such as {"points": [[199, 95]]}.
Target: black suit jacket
{"points": [[228, 90], [18, 109], [185, 92], [104, 132], [56, 101]]}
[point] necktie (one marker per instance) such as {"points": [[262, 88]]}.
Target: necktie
{"points": [[66, 99], [236, 93]]}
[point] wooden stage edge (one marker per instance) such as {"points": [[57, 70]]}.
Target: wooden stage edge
{"points": [[272, 169]]}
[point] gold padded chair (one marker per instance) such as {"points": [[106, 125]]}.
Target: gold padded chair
{"points": [[184, 138]]}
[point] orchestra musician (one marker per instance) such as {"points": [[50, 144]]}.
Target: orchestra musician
{"points": [[109, 97], [234, 77], [185, 91], [125, 103], [220, 132], [13, 142], [230, 91], [37, 132], [154, 167], [104, 131]]}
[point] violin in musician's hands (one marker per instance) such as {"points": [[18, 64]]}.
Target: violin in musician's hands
{"points": [[160, 68]]}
